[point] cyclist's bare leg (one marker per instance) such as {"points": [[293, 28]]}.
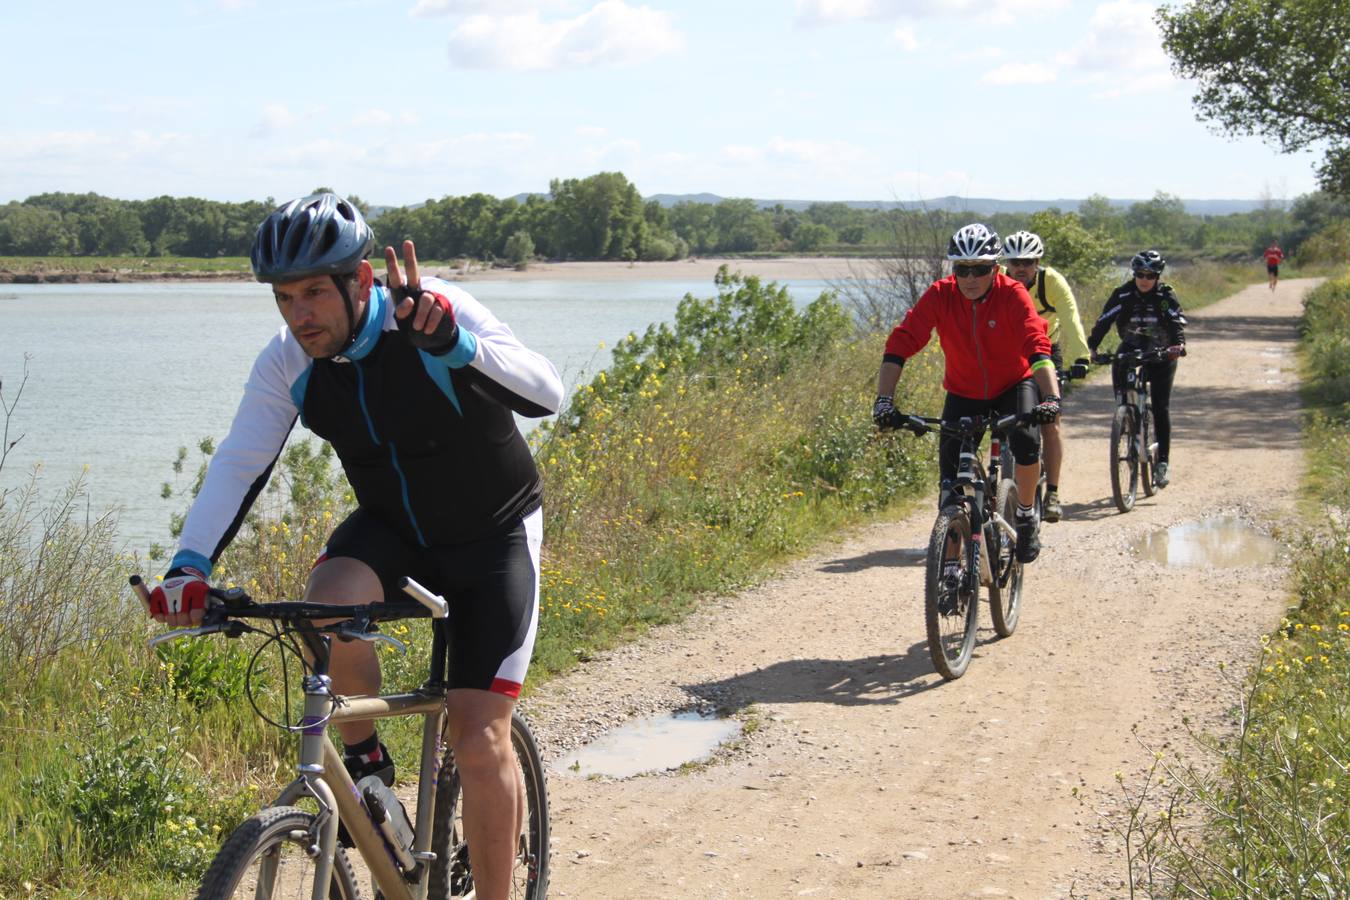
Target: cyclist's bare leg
{"points": [[1052, 452], [353, 665], [1026, 477], [480, 734]]}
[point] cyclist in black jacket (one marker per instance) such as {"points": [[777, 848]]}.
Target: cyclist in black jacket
{"points": [[1147, 315]]}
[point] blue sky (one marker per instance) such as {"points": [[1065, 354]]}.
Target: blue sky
{"points": [[401, 100]]}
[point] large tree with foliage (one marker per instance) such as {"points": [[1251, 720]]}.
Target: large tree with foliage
{"points": [[1278, 69]]}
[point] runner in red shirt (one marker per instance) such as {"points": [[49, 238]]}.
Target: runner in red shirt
{"points": [[997, 355], [1274, 256]]}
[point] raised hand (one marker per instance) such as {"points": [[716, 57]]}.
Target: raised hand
{"points": [[426, 319]]}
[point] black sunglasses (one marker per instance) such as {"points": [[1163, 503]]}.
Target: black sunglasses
{"points": [[1146, 274], [966, 271], [1021, 262]]}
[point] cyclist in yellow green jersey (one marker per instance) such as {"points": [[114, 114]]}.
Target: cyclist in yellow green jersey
{"points": [[1053, 299]]}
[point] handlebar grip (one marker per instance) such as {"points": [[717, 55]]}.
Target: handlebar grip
{"points": [[139, 588], [434, 603]]}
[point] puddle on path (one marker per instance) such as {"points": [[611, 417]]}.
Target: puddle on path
{"points": [[1223, 542], [654, 744]]}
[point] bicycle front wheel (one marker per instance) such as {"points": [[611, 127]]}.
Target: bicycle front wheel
{"points": [[1005, 595], [1148, 459], [451, 873], [951, 593], [267, 856], [1124, 459]]}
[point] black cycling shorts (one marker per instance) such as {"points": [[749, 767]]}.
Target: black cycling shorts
{"points": [[1025, 440], [1273, 268], [491, 585]]}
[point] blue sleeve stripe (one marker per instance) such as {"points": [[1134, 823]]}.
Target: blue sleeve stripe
{"points": [[192, 560], [435, 366], [465, 349]]}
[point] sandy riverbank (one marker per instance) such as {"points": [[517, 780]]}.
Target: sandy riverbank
{"points": [[693, 269]]}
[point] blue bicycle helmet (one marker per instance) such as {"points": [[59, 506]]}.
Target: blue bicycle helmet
{"points": [[317, 235]]}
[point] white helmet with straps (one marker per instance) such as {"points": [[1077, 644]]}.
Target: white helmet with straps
{"points": [[974, 242], [1023, 245]]}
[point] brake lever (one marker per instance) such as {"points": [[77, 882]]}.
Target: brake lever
{"points": [[184, 632], [371, 637]]}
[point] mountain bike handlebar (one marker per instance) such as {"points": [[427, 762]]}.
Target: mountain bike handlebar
{"points": [[966, 426], [1137, 357], [227, 607]]}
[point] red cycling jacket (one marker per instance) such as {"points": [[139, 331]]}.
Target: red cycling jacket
{"points": [[988, 345], [1274, 256]]}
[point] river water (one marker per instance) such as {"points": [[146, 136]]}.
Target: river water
{"points": [[121, 375]]}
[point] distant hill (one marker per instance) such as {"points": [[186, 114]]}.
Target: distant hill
{"points": [[977, 205], [973, 205]]}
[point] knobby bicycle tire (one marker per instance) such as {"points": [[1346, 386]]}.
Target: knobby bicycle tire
{"points": [[1149, 457], [1124, 461], [951, 616], [288, 832], [1005, 594], [451, 875]]}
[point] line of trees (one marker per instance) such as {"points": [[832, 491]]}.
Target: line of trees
{"points": [[603, 217]]}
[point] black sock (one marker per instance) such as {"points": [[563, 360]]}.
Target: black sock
{"points": [[1051, 488], [367, 751]]}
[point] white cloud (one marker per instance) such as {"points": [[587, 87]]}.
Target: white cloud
{"points": [[590, 132], [836, 155], [611, 34], [429, 8], [1019, 73], [905, 36], [275, 117], [623, 150], [831, 12], [381, 118], [1122, 52]]}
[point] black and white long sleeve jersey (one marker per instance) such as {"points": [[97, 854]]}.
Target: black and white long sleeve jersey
{"points": [[1142, 320], [428, 442]]}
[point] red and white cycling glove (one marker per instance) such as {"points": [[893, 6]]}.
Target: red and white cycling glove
{"points": [[182, 591]]}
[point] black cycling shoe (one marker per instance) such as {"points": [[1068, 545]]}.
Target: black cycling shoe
{"points": [[1160, 478], [1028, 539]]}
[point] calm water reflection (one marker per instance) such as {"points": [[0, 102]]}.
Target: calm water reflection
{"points": [[121, 375]]}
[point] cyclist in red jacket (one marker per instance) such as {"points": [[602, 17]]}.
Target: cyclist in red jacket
{"points": [[997, 355], [1274, 256]]}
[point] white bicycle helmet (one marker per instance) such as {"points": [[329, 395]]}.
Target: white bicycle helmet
{"points": [[1023, 245], [974, 242]]}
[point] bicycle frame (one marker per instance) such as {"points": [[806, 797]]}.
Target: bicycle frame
{"points": [[323, 776]]}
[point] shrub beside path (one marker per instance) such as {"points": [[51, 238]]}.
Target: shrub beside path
{"points": [[863, 774]]}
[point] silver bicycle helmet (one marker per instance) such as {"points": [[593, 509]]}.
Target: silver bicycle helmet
{"points": [[974, 242], [1023, 245], [316, 235]]}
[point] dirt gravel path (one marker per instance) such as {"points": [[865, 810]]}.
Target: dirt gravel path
{"points": [[865, 774]]}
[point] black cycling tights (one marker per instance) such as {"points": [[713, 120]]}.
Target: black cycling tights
{"points": [[1025, 440], [1160, 375]]}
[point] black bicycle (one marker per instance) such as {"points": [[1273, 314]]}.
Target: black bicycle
{"points": [[972, 517], [1134, 442], [286, 850]]}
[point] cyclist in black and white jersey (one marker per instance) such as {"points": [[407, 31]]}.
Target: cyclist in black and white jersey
{"points": [[1147, 316], [415, 385]]}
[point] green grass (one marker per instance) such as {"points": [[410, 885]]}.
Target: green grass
{"points": [[127, 265]]}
